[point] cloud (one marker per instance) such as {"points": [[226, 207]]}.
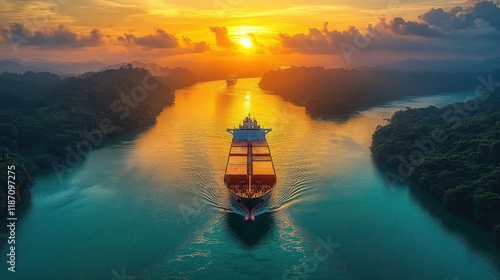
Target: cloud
{"points": [[160, 40], [399, 26], [473, 29], [195, 47], [315, 41], [163, 40], [464, 17], [60, 37], [221, 37], [436, 17], [259, 47]]}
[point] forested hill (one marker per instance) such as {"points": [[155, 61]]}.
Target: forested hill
{"points": [[341, 91], [453, 152], [49, 123]]}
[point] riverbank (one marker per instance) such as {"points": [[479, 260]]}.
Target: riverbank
{"points": [[344, 91], [453, 152], [49, 124]]}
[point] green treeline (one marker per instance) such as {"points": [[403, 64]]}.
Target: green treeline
{"points": [[453, 152], [46, 122], [341, 91]]}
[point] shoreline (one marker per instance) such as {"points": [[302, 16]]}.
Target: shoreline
{"points": [[453, 158]]}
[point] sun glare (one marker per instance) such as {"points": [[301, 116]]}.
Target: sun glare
{"points": [[246, 42]]}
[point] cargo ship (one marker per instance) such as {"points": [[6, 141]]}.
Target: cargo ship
{"points": [[231, 79], [250, 175]]}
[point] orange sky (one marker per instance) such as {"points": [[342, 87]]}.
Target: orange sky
{"points": [[78, 30]]}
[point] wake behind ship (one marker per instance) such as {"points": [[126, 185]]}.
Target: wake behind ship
{"points": [[250, 175]]}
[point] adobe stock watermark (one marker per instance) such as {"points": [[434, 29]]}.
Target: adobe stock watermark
{"points": [[39, 19], [93, 138], [122, 275], [454, 116], [196, 207], [322, 251], [224, 6], [281, 118], [361, 41]]}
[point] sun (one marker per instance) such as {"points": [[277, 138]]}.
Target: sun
{"points": [[246, 42]]}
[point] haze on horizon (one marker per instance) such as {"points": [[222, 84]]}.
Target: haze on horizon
{"points": [[298, 32]]}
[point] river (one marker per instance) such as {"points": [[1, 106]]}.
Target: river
{"points": [[152, 204]]}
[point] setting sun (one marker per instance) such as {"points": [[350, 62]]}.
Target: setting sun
{"points": [[246, 42]]}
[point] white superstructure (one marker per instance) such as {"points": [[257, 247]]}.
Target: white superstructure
{"points": [[249, 131]]}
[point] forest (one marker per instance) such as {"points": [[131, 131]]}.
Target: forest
{"points": [[46, 120], [453, 152], [342, 91]]}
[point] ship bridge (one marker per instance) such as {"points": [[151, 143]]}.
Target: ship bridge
{"points": [[249, 131]]}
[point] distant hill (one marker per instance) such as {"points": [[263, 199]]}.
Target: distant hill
{"points": [[448, 65], [16, 67], [156, 69], [56, 67], [206, 70], [61, 67], [199, 70], [219, 69], [175, 78]]}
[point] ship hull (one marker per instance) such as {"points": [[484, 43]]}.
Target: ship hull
{"points": [[250, 206]]}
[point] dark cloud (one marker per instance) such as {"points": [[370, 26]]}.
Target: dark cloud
{"points": [[473, 29], [436, 17], [196, 47], [221, 37], [399, 26], [160, 40], [464, 17], [60, 37], [316, 41]]}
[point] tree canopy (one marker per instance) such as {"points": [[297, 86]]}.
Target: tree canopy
{"points": [[42, 116], [453, 152], [342, 91]]}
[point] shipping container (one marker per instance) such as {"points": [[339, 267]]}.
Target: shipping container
{"points": [[260, 150], [236, 169], [259, 143], [238, 160], [261, 158], [262, 168], [238, 150], [239, 144]]}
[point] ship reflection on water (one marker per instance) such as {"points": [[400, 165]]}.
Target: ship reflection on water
{"points": [[250, 234]]}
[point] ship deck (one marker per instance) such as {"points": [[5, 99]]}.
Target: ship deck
{"points": [[250, 170]]}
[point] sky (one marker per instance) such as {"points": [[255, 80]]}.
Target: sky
{"points": [[292, 32]]}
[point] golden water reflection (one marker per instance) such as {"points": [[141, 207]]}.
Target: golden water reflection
{"points": [[190, 140]]}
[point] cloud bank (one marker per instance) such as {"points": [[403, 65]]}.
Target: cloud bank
{"points": [[60, 37], [160, 40], [472, 29], [63, 37]]}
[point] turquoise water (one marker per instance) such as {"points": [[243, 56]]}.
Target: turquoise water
{"points": [[152, 204]]}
